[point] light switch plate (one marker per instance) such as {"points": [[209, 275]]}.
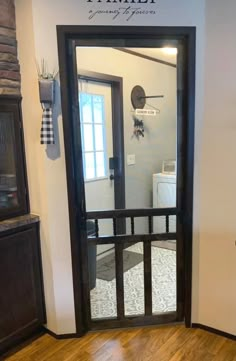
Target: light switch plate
{"points": [[130, 159]]}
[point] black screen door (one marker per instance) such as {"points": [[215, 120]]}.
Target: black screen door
{"points": [[139, 254]]}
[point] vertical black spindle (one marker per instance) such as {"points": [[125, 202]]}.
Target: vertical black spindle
{"points": [[96, 228], [150, 224], [167, 224], [119, 281], [132, 224], [147, 255], [114, 227]]}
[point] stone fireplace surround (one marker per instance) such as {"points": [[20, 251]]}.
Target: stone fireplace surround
{"points": [[9, 65]]}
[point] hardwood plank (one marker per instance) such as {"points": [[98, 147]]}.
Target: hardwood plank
{"points": [[43, 354], [227, 352], [210, 341], [166, 343], [170, 347], [196, 348], [72, 351], [41, 343], [150, 338]]}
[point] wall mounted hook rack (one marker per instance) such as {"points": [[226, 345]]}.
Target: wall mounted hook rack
{"points": [[138, 97]]}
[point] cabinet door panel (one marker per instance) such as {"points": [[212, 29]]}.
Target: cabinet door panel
{"points": [[21, 297], [13, 180]]}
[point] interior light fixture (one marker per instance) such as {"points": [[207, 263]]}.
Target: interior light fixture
{"points": [[170, 51]]}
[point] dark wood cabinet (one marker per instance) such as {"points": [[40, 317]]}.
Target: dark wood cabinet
{"points": [[13, 180], [22, 309]]}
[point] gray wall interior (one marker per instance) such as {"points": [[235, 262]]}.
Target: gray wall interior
{"points": [[159, 142]]}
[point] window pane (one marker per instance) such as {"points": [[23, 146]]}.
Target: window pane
{"points": [[98, 106], [86, 106], [93, 136], [100, 164], [99, 137], [89, 165], [88, 137]]}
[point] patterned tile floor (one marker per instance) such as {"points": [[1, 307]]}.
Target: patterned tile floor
{"points": [[103, 296]]}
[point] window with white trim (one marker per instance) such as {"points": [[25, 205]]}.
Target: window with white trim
{"points": [[92, 119]]}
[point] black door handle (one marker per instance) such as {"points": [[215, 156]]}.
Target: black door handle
{"points": [[112, 177]]}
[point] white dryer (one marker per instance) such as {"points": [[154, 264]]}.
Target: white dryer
{"points": [[164, 195]]}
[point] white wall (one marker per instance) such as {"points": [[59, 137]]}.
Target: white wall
{"points": [[47, 185], [217, 267], [47, 177]]}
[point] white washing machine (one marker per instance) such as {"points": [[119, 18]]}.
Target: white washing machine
{"points": [[164, 195]]}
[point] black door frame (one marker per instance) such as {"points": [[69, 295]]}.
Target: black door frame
{"points": [[141, 36]]}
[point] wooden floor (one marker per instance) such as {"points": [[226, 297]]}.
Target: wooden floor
{"points": [[172, 343]]}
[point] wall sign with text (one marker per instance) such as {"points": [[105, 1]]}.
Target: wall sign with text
{"points": [[150, 112], [121, 9]]}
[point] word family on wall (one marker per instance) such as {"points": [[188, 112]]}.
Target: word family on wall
{"points": [[121, 9]]}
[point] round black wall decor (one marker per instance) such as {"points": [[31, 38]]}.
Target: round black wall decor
{"points": [[138, 97]]}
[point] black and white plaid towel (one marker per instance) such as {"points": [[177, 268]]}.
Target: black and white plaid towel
{"points": [[47, 133]]}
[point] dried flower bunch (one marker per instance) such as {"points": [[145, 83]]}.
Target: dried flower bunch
{"points": [[43, 72], [138, 128]]}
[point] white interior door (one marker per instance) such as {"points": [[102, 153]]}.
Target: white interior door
{"points": [[97, 146]]}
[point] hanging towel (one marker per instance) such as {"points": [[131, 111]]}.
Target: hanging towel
{"points": [[47, 133]]}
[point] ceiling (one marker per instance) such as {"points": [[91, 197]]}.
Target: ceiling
{"points": [[157, 53]]}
